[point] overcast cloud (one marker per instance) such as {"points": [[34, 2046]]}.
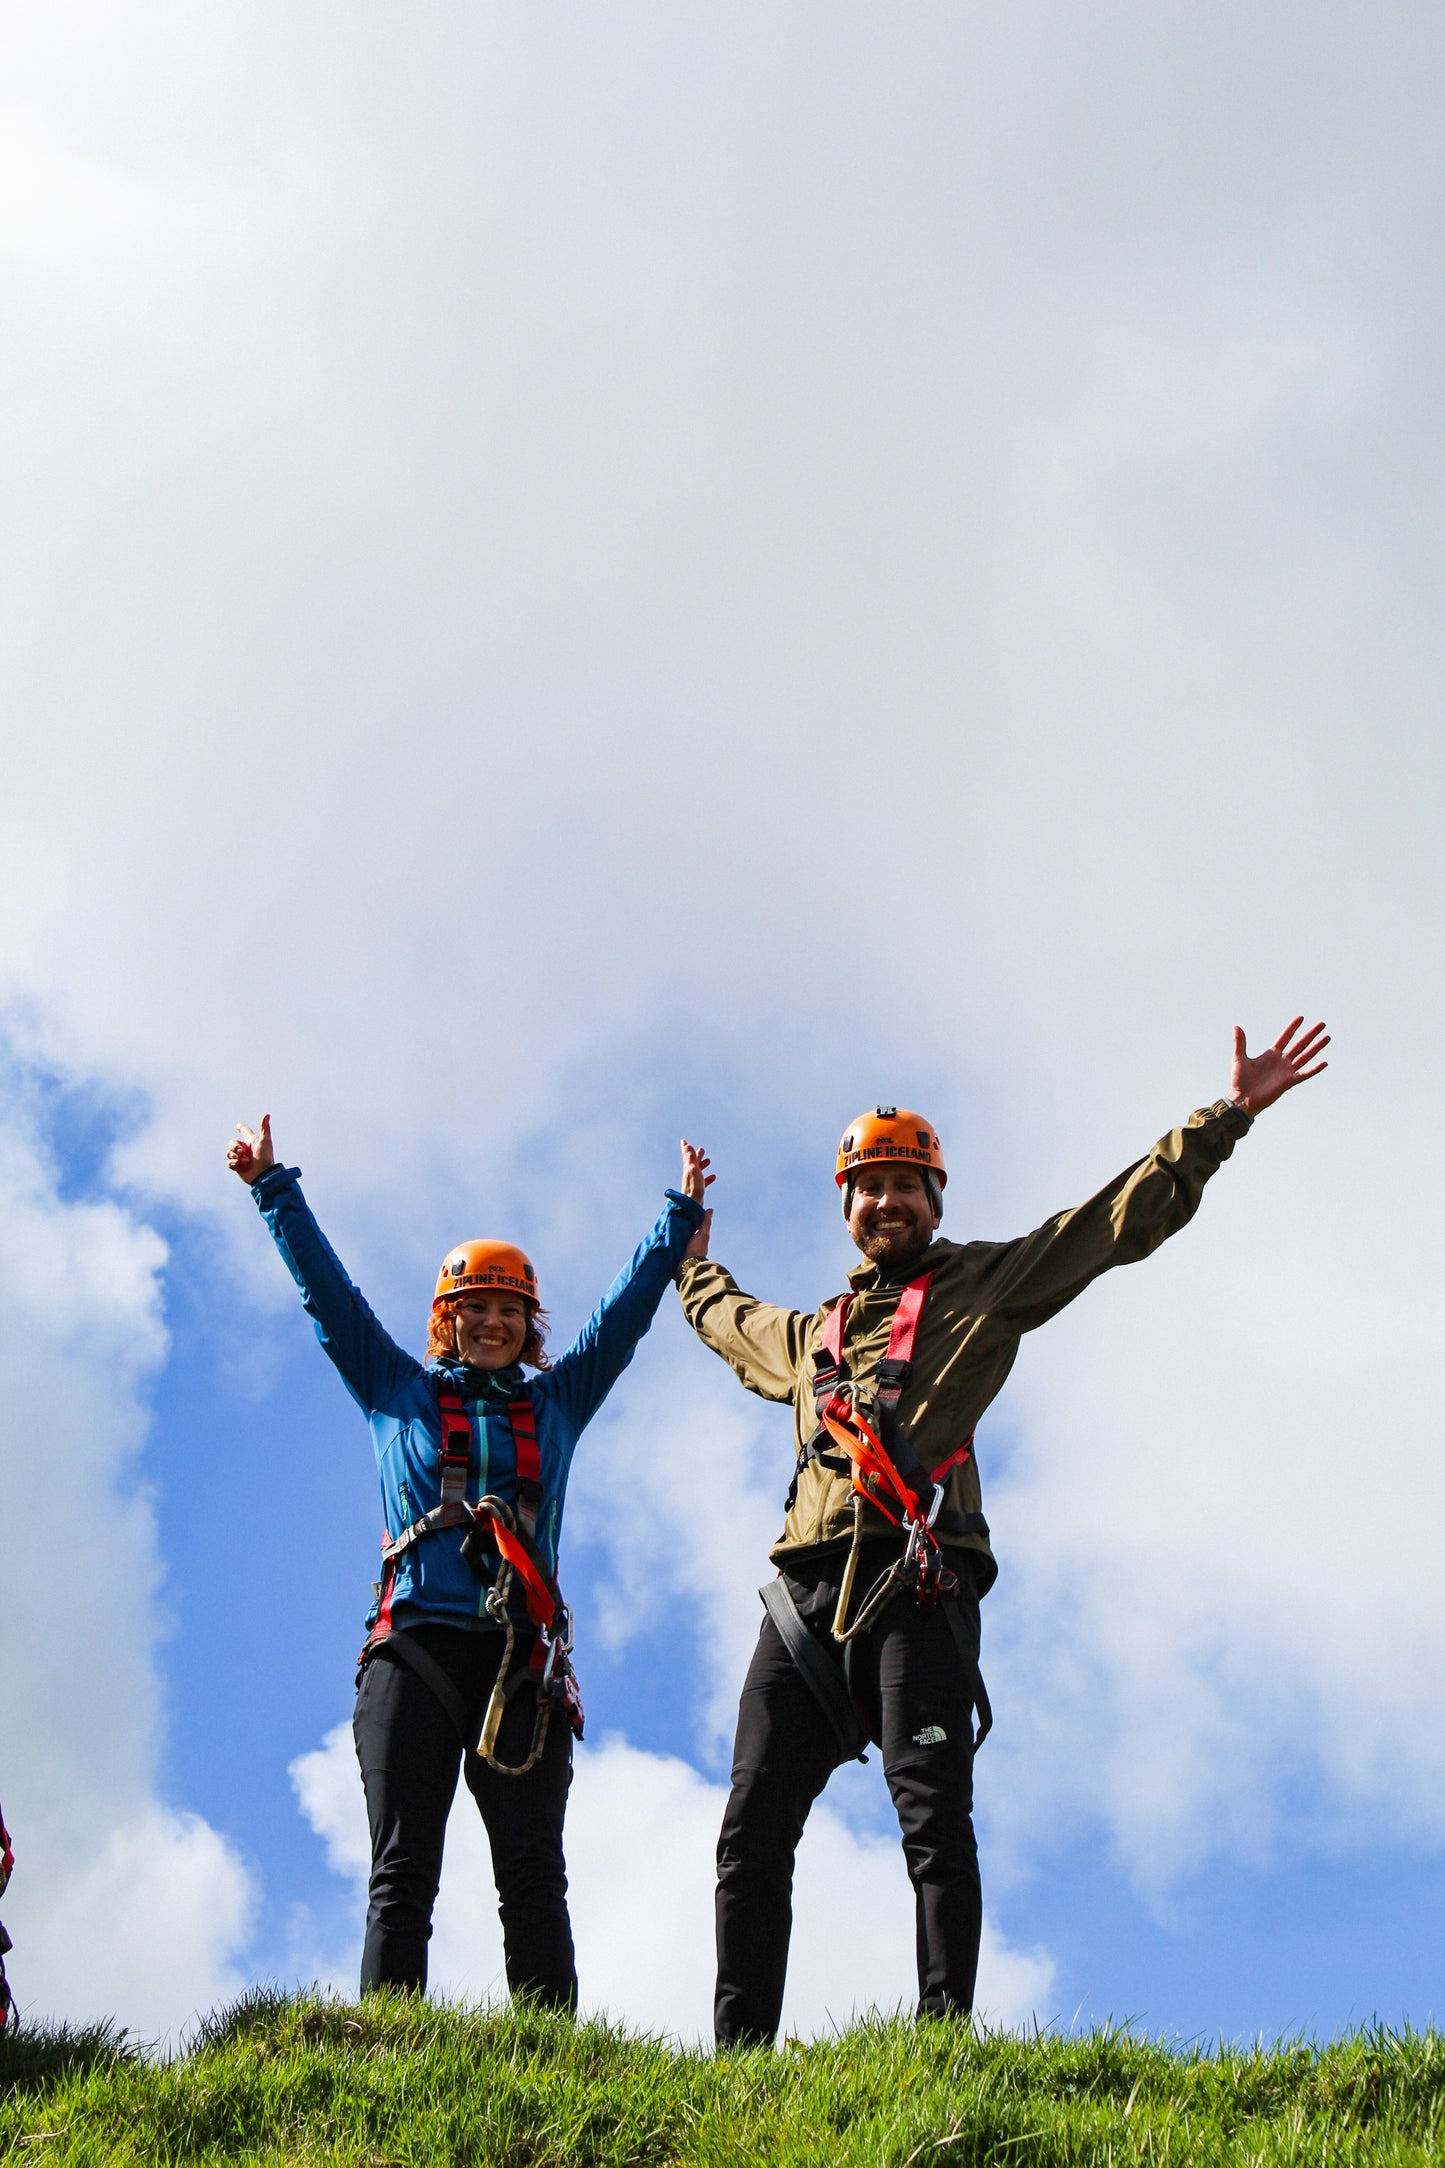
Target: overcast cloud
{"points": [[123, 1907]]}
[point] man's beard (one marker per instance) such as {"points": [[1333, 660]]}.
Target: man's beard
{"points": [[894, 1248]]}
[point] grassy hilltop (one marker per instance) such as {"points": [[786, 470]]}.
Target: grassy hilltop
{"points": [[296, 2079]]}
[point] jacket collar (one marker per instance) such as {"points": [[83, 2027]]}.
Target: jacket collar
{"points": [[473, 1384], [866, 1276]]}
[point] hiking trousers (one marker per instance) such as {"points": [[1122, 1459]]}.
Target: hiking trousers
{"points": [[911, 1685], [410, 1752]]}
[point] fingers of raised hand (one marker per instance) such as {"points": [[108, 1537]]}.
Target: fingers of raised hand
{"points": [[695, 1164], [250, 1151]]}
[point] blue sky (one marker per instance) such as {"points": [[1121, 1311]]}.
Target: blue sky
{"points": [[575, 579]]}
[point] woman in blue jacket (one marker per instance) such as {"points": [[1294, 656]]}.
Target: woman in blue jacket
{"points": [[465, 1662]]}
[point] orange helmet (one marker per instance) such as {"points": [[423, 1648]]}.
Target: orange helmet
{"points": [[890, 1133], [486, 1265]]}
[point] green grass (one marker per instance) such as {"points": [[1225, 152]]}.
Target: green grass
{"points": [[283, 2078]]}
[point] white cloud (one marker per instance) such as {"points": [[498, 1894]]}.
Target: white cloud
{"points": [[146, 1921], [641, 1837], [120, 1906], [1219, 1533], [584, 482]]}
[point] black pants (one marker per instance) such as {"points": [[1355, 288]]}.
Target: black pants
{"points": [[909, 1678], [410, 1751]]}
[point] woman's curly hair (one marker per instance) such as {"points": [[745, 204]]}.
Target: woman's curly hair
{"points": [[442, 1337]]}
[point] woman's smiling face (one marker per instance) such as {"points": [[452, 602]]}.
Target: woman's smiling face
{"points": [[491, 1330]]}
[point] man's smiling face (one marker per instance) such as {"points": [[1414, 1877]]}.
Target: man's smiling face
{"points": [[891, 1217]]}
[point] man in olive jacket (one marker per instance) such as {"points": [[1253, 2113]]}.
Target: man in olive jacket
{"points": [[913, 1676]]}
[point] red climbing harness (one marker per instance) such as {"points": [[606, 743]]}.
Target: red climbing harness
{"points": [[887, 1475], [492, 1525], [512, 1534]]}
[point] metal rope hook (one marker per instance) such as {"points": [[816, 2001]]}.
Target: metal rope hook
{"points": [[498, 1610]]}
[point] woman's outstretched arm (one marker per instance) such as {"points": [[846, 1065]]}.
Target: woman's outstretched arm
{"points": [[372, 1366]]}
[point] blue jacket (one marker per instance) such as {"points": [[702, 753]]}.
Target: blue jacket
{"points": [[398, 1395]]}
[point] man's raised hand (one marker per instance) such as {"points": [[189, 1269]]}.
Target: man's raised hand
{"points": [[249, 1154], [695, 1180], [1257, 1080]]}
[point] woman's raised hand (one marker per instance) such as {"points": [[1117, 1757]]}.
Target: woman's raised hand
{"points": [[249, 1154], [695, 1180], [695, 1177]]}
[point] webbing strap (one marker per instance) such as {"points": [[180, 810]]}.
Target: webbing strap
{"points": [[529, 1463], [834, 1327], [905, 1319], [457, 1460], [823, 1677], [897, 1492], [543, 1597], [978, 1692], [430, 1672], [7, 1857], [897, 1358], [388, 1584], [456, 1446], [955, 1459], [892, 1464]]}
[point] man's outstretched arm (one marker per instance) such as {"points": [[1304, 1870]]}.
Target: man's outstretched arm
{"points": [[1032, 1279], [765, 1345]]}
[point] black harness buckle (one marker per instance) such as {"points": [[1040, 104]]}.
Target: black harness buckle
{"points": [[892, 1377]]}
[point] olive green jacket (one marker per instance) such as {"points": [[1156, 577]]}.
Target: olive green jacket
{"points": [[984, 1296]]}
